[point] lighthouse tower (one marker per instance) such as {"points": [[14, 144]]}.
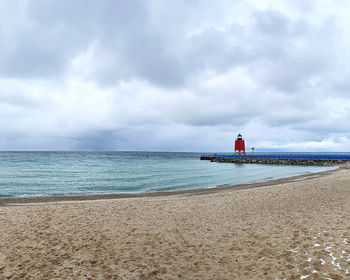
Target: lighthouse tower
{"points": [[239, 145]]}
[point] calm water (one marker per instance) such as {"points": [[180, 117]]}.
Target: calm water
{"points": [[67, 173]]}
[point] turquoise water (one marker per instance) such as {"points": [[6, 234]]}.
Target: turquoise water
{"points": [[68, 173]]}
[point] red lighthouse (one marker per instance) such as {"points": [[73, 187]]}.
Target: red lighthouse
{"points": [[239, 145]]}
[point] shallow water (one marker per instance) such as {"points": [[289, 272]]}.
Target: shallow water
{"points": [[68, 173]]}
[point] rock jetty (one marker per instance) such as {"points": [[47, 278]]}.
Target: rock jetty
{"points": [[284, 161]]}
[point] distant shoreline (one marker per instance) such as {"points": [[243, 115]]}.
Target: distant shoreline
{"points": [[8, 201]]}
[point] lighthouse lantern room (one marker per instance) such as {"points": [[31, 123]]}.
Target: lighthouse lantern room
{"points": [[239, 145]]}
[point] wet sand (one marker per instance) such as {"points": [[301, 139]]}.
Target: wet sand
{"points": [[296, 228]]}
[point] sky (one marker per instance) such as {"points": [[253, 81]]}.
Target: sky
{"points": [[179, 75]]}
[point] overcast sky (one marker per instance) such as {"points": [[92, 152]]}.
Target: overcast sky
{"points": [[185, 75]]}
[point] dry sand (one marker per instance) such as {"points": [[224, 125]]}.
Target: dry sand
{"points": [[294, 230]]}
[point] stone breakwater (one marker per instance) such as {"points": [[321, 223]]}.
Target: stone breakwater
{"points": [[286, 161]]}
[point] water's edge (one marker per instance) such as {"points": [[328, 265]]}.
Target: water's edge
{"points": [[11, 201]]}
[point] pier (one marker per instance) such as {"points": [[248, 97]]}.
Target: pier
{"points": [[286, 159]]}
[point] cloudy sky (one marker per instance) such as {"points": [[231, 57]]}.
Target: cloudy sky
{"points": [[174, 75]]}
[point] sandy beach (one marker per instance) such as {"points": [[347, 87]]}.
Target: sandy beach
{"points": [[287, 229]]}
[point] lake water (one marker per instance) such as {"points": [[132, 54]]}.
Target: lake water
{"points": [[68, 173]]}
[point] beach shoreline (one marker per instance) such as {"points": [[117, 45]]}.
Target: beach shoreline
{"points": [[7, 201], [292, 229]]}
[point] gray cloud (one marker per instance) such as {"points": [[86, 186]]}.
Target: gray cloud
{"points": [[114, 75]]}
